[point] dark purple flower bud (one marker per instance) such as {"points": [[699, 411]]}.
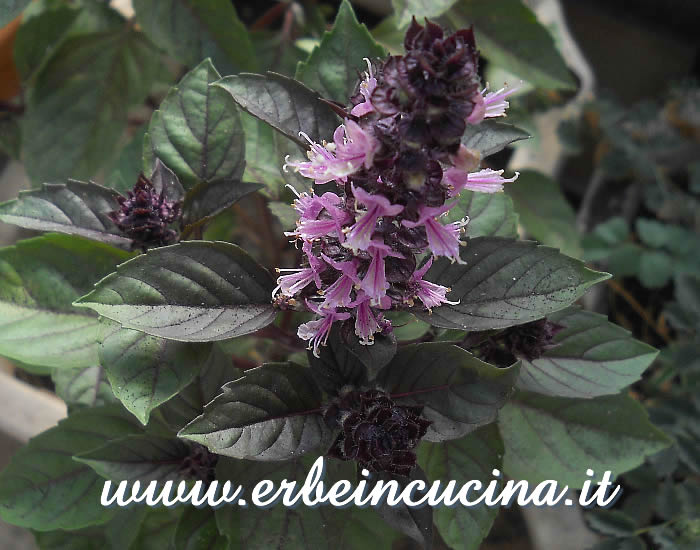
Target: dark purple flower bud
{"points": [[200, 464], [144, 215], [528, 341], [376, 432]]}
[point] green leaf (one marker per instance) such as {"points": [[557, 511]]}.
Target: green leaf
{"points": [[192, 30], [197, 132], [333, 67], [490, 137], [123, 173], [39, 279], [158, 529], [560, 438], [138, 457], [145, 371], [470, 458], [75, 208], [415, 522], [283, 103], [590, 357], [612, 231], [285, 213], [44, 24], [124, 527], [281, 527], [263, 163], [344, 361], [457, 391], [405, 326], [189, 403], [511, 38], [47, 24], [505, 282], [545, 213], [655, 269], [407, 9], [83, 387], [194, 291], [9, 9], [77, 110], [197, 530], [490, 214], [45, 489], [206, 200], [652, 233], [271, 413]]}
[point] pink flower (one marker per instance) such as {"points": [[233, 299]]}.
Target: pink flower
{"points": [[367, 324], [367, 87], [374, 282], [351, 149], [443, 240], [360, 234], [491, 104], [338, 294], [309, 207], [431, 294], [483, 181], [317, 331], [298, 279]]}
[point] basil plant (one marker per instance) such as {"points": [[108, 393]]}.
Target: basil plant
{"points": [[201, 328]]}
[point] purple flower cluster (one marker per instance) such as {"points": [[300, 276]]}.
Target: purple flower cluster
{"points": [[398, 164], [145, 214]]}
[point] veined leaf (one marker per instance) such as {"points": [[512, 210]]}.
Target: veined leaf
{"points": [[75, 207], [590, 357], [504, 282], [283, 103], [490, 137], [333, 67], [263, 164], [197, 132], [271, 413], [138, 457], [458, 392], [560, 438], [192, 30], [470, 458], [39, 279], [45, 489], [45, 24], [206, 200], [545, 212], [83, 387], [194, 291], [146, 371], [189, 403], [510, 37], [77, 110], [490, 214]]}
